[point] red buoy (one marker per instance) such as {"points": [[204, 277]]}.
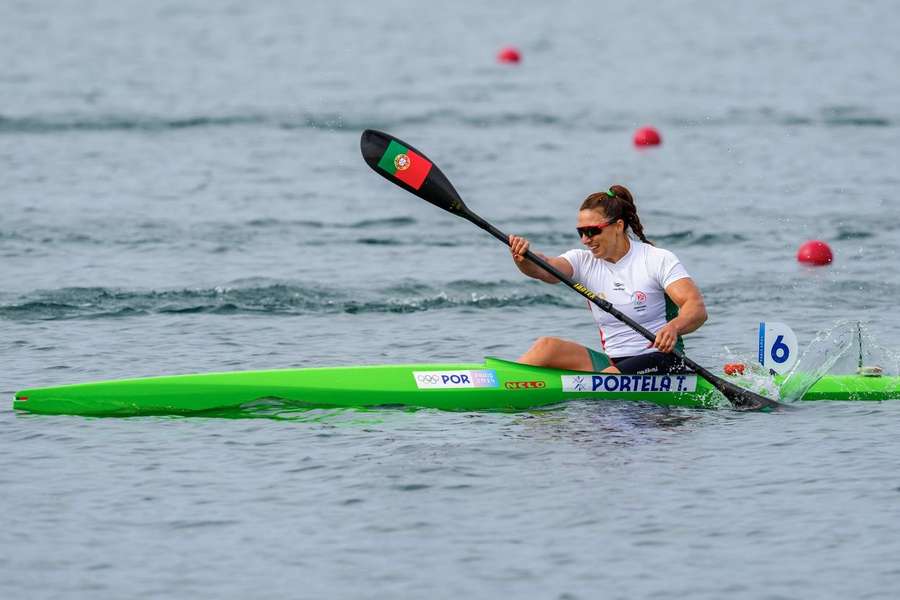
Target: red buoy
{"points": [[509, 55], [647, 136], [734, 368], [815, 252]]}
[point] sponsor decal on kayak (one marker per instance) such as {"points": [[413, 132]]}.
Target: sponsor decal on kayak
{"points": [[629, 383], [456, 379], [525, 385]]}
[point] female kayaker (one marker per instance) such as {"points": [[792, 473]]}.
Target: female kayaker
{"points": [[646, 283]]}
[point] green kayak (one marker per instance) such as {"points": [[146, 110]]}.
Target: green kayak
{"points": [[493, 385]]}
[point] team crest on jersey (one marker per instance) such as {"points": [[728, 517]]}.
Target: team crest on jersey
{"points": [[402, 162], [640, 297]]}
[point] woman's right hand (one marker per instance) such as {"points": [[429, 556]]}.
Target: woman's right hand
{"points": [[517, 247]]}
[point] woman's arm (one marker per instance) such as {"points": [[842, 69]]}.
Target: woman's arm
{"points": [[518, 246], [691, 314]]}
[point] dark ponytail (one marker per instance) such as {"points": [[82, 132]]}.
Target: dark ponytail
{"points": [[617, 204]]}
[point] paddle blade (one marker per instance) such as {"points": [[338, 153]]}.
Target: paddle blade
{"points": [[407, 167], [744, 399]]}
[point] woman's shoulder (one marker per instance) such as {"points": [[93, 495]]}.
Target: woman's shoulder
{"points": [[579, 254], [580, 259], [663, 264], [655, 252]]}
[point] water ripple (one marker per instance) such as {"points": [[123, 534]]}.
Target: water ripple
{"points": [[46, 123], [255, 296]]}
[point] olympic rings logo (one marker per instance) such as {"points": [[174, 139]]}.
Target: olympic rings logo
{"points": [[425, 378]]}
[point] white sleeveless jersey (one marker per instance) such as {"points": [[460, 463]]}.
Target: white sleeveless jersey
{"points": [[635, 285]]}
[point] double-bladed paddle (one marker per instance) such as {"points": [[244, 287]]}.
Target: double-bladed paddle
{"points": [[403, 165]]}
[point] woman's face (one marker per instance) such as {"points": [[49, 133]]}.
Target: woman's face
{"points": [[599, 235]]}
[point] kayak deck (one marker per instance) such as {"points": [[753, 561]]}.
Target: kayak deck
{"points": [[496, 384]]}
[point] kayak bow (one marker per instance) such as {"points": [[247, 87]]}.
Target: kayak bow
{"points": [[493, 385]]}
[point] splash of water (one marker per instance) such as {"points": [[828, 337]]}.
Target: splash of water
{"points": [[820, 356], [846, 347], [754, 377], [869, 353]]}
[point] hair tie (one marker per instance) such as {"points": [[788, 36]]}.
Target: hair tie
{"points": [[610, 193]]}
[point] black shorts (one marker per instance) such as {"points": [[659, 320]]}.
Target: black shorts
{"points": [[653, 362]]}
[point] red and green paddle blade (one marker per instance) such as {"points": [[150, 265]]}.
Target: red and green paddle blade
{"points": [[403, 165]]}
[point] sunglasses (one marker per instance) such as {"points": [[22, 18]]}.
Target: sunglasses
{"points": [[590, 231]]}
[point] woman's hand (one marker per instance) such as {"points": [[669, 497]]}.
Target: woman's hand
{"points": [[666, 338], [517, 247]]}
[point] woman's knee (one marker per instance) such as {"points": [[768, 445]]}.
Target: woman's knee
{"points": [[543, 352], [558, 353], [548, 344]]}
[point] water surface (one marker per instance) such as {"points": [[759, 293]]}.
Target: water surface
{"points": [[183, 192]]}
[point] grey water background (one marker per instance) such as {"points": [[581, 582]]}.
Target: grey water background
{"points": [[182, 192]]}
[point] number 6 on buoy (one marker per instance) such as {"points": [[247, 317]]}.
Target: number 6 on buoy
{"points": [[777, 347]]}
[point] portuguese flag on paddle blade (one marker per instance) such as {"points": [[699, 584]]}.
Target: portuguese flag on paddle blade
{"points": [[405, 165]]}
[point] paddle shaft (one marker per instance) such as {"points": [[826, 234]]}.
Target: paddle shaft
{"points": [[591, 296]]}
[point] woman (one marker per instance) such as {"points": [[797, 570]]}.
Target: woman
{"points": [[646, 283]]}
